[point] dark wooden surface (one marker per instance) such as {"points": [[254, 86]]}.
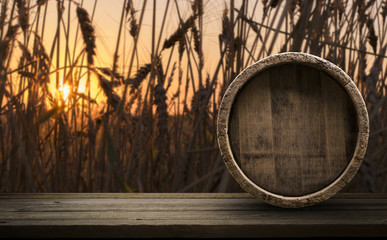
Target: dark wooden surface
{"points": [[187, 215], [293, 129]]}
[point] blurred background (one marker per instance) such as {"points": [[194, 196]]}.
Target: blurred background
{"points": [[123, 95]]}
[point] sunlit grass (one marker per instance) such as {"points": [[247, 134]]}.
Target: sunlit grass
{"points": [[138, 113]]}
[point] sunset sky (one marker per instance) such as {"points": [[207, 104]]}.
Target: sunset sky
{"points": [[107, 18], [106, 22]]}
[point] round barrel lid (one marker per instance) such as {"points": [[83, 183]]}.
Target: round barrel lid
{"points": [[293, 129]]}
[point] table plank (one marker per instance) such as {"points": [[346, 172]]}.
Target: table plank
{"points": [[187, 215]]}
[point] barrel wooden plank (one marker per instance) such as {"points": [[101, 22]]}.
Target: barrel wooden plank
{"points": [[255, 132], [315, 172], [286, 111], [187, 215], [336, 133]]}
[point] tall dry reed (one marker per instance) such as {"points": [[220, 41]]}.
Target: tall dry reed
{"points": [[151, 124]]}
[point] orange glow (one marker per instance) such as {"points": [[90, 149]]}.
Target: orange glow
{"points": [[64, 91], [60, 93]]}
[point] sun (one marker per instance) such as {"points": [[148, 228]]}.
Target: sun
{"points": [[60, 92], [65, 91]]}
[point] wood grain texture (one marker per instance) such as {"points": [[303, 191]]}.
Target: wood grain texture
{"points": [[293, 129], [187, 215]]}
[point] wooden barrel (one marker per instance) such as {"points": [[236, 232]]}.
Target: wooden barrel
{"points": [[293, 129]]}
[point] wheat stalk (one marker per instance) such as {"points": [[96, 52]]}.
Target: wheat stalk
{"points": [[88, 33]]}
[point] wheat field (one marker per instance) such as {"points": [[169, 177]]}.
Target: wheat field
{"points": [[136, 112]]}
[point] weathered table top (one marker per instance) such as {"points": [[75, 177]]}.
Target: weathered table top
{"points": [[187, 215]]}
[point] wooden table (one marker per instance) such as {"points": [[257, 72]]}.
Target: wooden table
{"points": [[187, 215]]}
